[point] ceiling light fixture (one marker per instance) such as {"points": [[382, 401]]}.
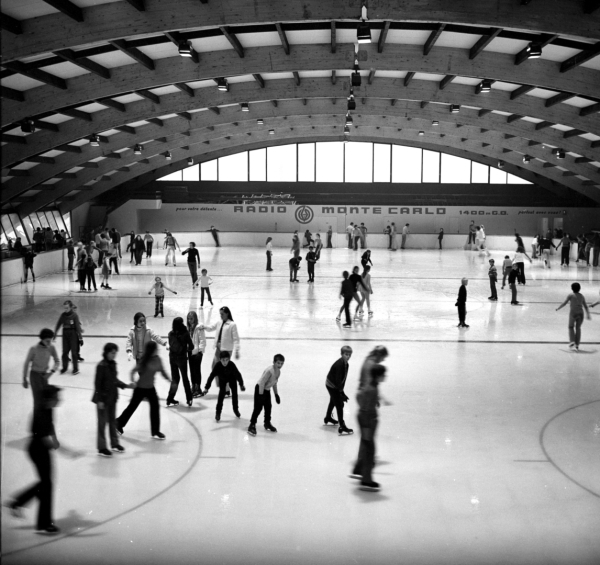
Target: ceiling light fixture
{"points": [[185, 48], [484, 86], [421, 132], [222, 85], [168, 156], [95, 140], [271, 132], [190, 161], [454, 108], [346, 130], [356, 79], [28, 126], [533, 51], [558, 153], [500, 164], [348, 120], [526, 159], [435, 123], [260, 121], [245, 107], [137, 150]]}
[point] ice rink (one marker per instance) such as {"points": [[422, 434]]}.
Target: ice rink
{"points": [[488, 454]]}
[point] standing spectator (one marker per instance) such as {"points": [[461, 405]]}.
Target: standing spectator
{"points": [[405, 233], [70, 254], [71, 336], [19, 247], [58, 240], [363, 236], [205, 282], [139, 335], [544, 246], [149, 241], [159, 296], [329, 236], [90, 268], [106, 395], [318, 246], [461, 303], [81, 263], [228, 377], [393, 234], [195, 356], [215, 233], [512, 283], [336, 379], [48, 237], [577, 304], [565, 242], [180, 343], [295, 244], [356, 234], [472, 234], [38, 240], [138, 249], [43, 441], [311, 260], [350, 234], [269, 253], [193, 262], [440, 237], [105, 273], [37, 365], [28, 263], [519, 261], [346, 293], [493, 276], [116, 239], [262, 394], [294, 263], [388, 231]]}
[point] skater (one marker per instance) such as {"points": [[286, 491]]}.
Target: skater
{"points": [[336, 379], [105, 272], [80, 264], [577, 304], [43, 441], [307, 239], [72, 334], [461, 303], [318, 246], [329, 236], [350, 234], [506, 269], [90, 271], [311, 259], [366, 259], [393, 242], [116, 239], [565, 242], [180, 343], [139, 335], [294, 266], [357, 283], [482, 246], [193, 261], [262, 394], [113, 258], [295, 245], [367, 289], [346, 293], [37, 365], [70, 254], [368, 401], [149, 242], [405, 233], [534, 246], [493, 276], [170, 245], [138, 249], [205, 282], [545, 245], [147, 367], [215, 233], [472, 234], [130, 247], [519, 261], [269, 253], [105, 398], [159, 296], [440, 237], [195, 356], [356, 234], [227, 335], [228, 378], [28, 264], [513, 277]]}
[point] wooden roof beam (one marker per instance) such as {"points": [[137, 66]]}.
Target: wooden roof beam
{"points": [[148, 96], [284, 41], [296, 77], [383, 36], [590, 6], [8, 138], [36, 74], [580, 58], [590, 110], [235, 42], [110, 103], [559, 98], [214, 110], [484, 41], [543, 40], [137, 4], [67, 8], [185, 88], [77, 114], [371, 76], [260, 80], [446, 81], [521, 91], [83, 62], [573, 133], [435, 34], [333, 77], [513, 118], [10, 24], [333, 38], [409, 76], [134, 53], [12, 94]]}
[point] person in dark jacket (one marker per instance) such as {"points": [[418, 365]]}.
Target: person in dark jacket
{"points": [[105, 397], [461, 303], [347, 292], [19, 247], [72, 336], [130, 246], [43, 441], [180, 343], [311, 260], [228, 374], [28, 264], [70, 254], [294, 266], [193, 261], [440, 237], [366, 258], [138, 249], [336, 379]]}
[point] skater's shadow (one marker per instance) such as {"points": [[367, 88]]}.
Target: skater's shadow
{"points": [[580, 351], [20, 444], [367, 497]]}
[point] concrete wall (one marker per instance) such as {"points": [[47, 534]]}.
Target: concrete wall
{"points": [[44, 264]]}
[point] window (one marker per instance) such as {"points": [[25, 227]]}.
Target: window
{"points": [[234, 168], [306, 162], [29, 229], [382, 162], [406, 164], [51, 220], [209, 170], [330, 161], [479, 173], [35, 222], [191, 173], [7, 230], [258, 165], [358, 162], [431, 166], [67, 220], [497, 176], [455, 170], [281, 163], [177, 175], [43, 220], [512, 179]]}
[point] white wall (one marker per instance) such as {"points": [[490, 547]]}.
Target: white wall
{"points": [[43, 264]]}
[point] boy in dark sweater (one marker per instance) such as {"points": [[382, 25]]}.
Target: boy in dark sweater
{"points": [[28, 264], [461, 303], [347, 292], [493, 275], [193, 261], [311, 259], [228, 374], [294, 266], [336, 379], [72, 335], [512, 283]]}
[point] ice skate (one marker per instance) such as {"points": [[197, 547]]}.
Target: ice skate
{"points": [[252, 429], [329, 420], [343, 430], [370, 486], [270, 428]]}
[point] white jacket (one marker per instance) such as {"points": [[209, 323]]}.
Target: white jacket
{"points": [[149, 335], [199, 339], [230, 340]]}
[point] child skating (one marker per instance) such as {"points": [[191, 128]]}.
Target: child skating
{"points": [[205, 282], [577, 304], [228, 374], [262, 394], [336, 379], [159, 296], [506, 269], [346, 293]]}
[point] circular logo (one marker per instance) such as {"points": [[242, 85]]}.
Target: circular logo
{"points": [[304, 214]]}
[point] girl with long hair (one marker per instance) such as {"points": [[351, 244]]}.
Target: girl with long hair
{"points": [[195, 356], [180, 343]]}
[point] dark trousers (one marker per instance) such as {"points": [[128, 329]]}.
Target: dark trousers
{"points": [[114, 264], [347, 300], [193, 267], [261, 401], [356, 240], [493, 288], [462, 313], [195, 363], [349, 241], [40, 456], [504, 276], [106, 416], [81, 278], [521, 271], [132, 250], [32, 273], [366, 452], [513, 289], [158, 304], [216, 238], [70, 344], [564, 256], [329, 246], [38, 382], [335, 401], [205, 289], [596, 255], [149, 248], [71, 259], [179, 371], [234, 394], [293, 274], [440, 243], [138, 395], [471, 238], [269, 260], [118, 245], [91, 278], [311, 271], [575, 322], [138, 255]]}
